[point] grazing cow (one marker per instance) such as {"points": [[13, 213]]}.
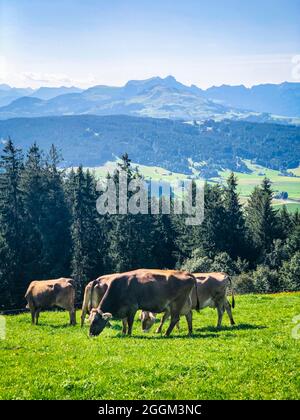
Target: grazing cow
{"points": [[211, 291], [149, 290], [93, 294], [44, 294]]}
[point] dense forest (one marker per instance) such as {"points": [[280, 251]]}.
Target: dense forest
{"points": [[49, 228], [93, 140]]}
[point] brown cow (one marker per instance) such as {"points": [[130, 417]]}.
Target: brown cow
{"points": [[149, 290], [93, 294], [211, 291], [44, 294]]}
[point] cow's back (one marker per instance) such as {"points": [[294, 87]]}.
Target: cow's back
{"points": [[47, 293]]}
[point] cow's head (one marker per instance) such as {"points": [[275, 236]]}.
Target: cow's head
{"points": [[98, 320], [148, 319]]}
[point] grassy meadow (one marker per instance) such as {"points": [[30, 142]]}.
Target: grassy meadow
{"points": [[246, 182], [256, 359]]}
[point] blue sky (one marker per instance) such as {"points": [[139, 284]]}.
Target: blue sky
{"points": [[88, 42]]}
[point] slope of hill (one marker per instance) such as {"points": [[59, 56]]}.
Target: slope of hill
{"points": [[8, 94], [92, 140]]}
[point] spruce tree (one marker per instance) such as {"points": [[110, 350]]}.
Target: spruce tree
{"points": [[234, 222], [285, 222], [212, 233], [34, 192], [262, 218], [56, 220], [86, 262], [12, 284], [125, 241]]}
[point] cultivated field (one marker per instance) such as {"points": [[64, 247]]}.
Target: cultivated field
{"points": [[256, 359]]}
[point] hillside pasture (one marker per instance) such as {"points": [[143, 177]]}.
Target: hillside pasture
{"points": [[256, 359], [246, 182]]}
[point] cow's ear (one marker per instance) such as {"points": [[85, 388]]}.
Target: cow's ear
{"points": [[106, 315]]}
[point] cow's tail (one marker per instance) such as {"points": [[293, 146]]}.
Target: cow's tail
{"points": [[28, 296], [196, 291], [90, 305], [232, 292]]}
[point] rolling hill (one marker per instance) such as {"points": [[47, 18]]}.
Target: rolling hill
{"points": [[93, 140]]}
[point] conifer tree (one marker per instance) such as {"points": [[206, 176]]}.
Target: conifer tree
{"points": [[56, 219], [262, 218], [285, 222], [34, 191], [234, 222], [86, 262], [11, 226], [212, 232]]}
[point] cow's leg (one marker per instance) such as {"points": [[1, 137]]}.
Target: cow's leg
{"points": [[31, 307], [189, 320], [32, 310], [72, 313], [220, 309], [163, 320], [174, 319], [37, 314], [124, 329], [176, 308], [130, 320], [228, 310], [83, 315]]}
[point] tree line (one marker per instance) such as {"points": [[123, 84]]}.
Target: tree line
{"points": [[50, 227]]}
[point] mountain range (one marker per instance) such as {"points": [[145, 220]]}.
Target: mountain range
{"points": [[158, 98]]}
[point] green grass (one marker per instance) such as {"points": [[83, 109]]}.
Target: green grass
{"points": [[291, 207], [256, 359], [246, 182]]}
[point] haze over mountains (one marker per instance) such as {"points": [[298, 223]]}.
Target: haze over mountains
{"points": [[155, 97]]}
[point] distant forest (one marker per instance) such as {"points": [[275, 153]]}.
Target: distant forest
{"points": [[49, 228], [93, 140]]}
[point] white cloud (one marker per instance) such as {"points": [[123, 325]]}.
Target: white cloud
{"points": [[55, 79]]}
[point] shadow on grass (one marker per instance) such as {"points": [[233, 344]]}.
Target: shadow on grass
{"points": [[199, 333], [162, 337], [238, 327], [55, 326]]}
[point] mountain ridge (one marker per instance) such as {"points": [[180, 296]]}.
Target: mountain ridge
{"points": [[157, 97]]}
